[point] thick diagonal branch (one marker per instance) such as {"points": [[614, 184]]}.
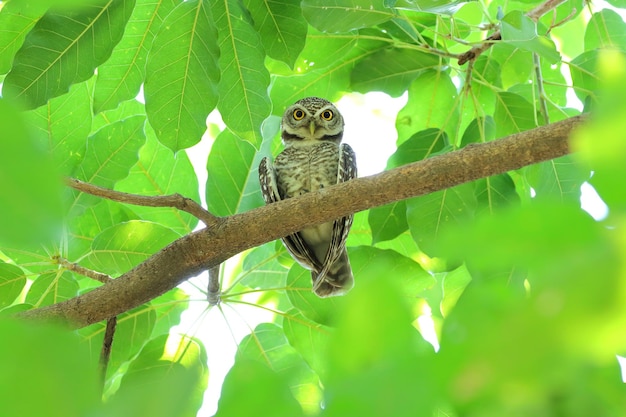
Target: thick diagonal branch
{"points": [[203, 249]]}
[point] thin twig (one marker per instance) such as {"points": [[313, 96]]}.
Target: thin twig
{"points": [[213, 294], [534, 14], [90, 273], [173, 200], [543, 106], [107, 343]]}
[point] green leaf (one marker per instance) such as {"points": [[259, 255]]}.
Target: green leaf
{"points": [[345, 15], [29, 185], [432, 104], [52, 288], [605, 29], [319, 76], [131, 333], [63, 125], [267, 344], [17, 18], [169, 307], [262, 390], [231, 166], [161, 172], [179, 99], [520, 31], [281, 27], [64, 48], [391, 70], [430, 214], [58, 371], [584, 75], [513, 114], [12, 282], [369, 263], [516, 65], [162, 383], [121, 247], [388, 221], [319, 310], [379, 364], [244, 102], [111, 152], [92, 221], [454, 283], [120, 77], [262, 269], [559, 179], [495, 192]]}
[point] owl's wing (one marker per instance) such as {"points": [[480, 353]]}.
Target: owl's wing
{"points": [[341, 227], [294, 243]]}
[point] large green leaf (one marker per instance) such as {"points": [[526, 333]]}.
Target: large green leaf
{"points": [[17, 18], [310, 339], [61, 382], [520, 31], [29, 185], [162, 383], [378, 362], [606, 29], [84, 228], [63, 125], [495, 192], [391, 70], [244, 102], [111, 152], [330, 77], [230, 168], [262, 269], [123, 246], [559, 179], [120, 77], [432, 104], [182, 75], [12, 282], [262, 389], [430, 214], [52, 288], [267, 344], [281, 27], [161, 172], [64, 48], [345, 15], [513, 114], [584, 75]]}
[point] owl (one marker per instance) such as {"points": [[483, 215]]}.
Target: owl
{"points": [[314, 158]]}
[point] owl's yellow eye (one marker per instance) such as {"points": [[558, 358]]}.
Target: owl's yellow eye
{"points": [[298, 114], [327, 115]]}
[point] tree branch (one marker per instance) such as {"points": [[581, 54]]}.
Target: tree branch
{"points": [[173, 200], [534, 14], [200, 250]]}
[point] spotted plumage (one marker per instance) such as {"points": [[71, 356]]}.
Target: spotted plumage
{"points": [[313, 158]]}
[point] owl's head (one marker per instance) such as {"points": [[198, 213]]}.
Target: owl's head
{"points": [[311, 120]]}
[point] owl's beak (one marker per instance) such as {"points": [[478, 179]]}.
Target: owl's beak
{"points": [[312, 127]]}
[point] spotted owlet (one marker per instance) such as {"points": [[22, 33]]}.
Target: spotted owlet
{"points": [[313, 158]]}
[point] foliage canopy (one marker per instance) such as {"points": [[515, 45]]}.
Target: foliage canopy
{"points": [[527, 291]]}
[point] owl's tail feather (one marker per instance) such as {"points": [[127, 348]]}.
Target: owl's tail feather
{"points": [[337, 281]]}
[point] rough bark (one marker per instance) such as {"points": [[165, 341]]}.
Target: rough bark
{"points": [[228, 236]]}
